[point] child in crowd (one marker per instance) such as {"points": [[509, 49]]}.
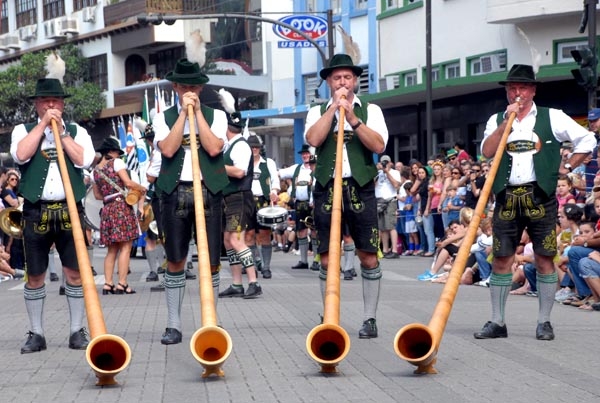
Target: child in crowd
{"points": [[564, 193], [589, 270], [410, 225], [452, 203]]}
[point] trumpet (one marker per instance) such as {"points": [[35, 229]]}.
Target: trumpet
{"points": [[10, 221], [309, 222]]}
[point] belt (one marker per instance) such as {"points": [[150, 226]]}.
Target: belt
{"points": [[53, 201], [526, 185]]}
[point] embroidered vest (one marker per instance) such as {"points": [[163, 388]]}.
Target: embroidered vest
{"points": [[35, 171], [238, 184], [546, 161], [361, 158], [264, 179], [213, 168], [294, 180]]}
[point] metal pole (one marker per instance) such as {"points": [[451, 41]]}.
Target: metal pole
{"points": [[330, 33], [591, 10], [428, 76]]}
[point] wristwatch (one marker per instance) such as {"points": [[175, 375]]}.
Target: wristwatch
{"points": [[64, 134], [354, 127], [569, 167]]}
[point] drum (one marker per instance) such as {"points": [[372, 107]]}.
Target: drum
{"points": [[91, 209], [271, 216]]}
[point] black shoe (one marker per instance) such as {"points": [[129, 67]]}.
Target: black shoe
{"points": [[253, 291], [353, 271], [152, 276], [171, 336], [190, 266], [348, 275], [491, 330], [189, 275], [78, 340], [61, 290], [300, 265], [258, 265], [391, 255], [266, 273], [53, 277], [35, 342], [544, 331], [232, 291], [160, 270], [315, 266], [368, 329], [160, 287]]}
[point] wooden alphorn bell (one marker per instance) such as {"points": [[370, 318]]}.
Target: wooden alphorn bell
{"points": [[210, 345], [107, 354], [328, 343], [418, 344]]}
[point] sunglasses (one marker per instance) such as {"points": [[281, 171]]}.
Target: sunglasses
{"points": [[452, 158], [13, 179], [475, 170], [455, 173]]}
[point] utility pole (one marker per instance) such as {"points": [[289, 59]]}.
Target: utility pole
{"points": [[587, 57]]}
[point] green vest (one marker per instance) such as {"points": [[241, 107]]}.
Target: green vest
{"points": [[295, 177], [264, 179], [546, 161], [238, 184], [361, 158], [213, 168], [35, 171]]}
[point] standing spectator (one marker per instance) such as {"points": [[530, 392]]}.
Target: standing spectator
{"points": [[367, 134], [463, 155], [33, 148], [524, 189], [118, 223], [474, 184], [386, 185]]}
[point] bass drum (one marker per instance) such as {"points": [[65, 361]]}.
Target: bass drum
{"points": [[91, 209]]}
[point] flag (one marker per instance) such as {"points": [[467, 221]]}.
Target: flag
{"points": [[131, 152], [145, 111], [156, 99], [122, 133]]}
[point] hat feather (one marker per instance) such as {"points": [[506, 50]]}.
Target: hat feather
{"points": [[140, 123], [55, 66], [536, 58], [350, 47], [195, 48], [227, 100]]}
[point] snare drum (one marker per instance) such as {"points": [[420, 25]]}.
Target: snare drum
{"points": [[271, 216], [91, 209]]}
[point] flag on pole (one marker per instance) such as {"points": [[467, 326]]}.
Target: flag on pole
{"points": [[122, 133], [145, 111], [131, 152], [156, 99]]}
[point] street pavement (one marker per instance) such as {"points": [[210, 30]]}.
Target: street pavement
{"points": [[269, 361]]}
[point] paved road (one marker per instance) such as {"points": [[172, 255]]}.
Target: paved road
{"points": [[269, 362]]}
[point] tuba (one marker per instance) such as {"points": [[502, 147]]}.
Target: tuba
{"points": [[10, 221]]}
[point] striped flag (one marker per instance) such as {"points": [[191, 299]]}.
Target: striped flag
{"points": [[131, 151]]}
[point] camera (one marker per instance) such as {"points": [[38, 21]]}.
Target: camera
{"points": [[384, 163]]}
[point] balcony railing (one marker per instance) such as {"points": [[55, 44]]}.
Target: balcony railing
{"points": [[119, 11]]}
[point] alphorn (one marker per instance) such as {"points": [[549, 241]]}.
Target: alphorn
{"points": [[418, 344], [328, 343], [210, 345], [107, 354]]}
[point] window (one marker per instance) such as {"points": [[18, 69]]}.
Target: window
{"points": [[98, 71], [166, 59], [79, 4], [26, 13], [452, 70], [336, 7], [53, 9], [435, 74], [4, 19], [363, 81], [311, 5], [311, 88], [563, 51], [488, 63], [360, 4], [391, 4], [410, 79]]}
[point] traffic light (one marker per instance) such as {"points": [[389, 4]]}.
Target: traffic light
{"points": [[586, 74]]}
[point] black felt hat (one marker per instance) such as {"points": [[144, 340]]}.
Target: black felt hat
{"points": [[520, 73], [49, 87], [110, 144], [305, 149], [235, 119]]}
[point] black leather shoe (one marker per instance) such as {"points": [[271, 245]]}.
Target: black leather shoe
{"points": [[253, 291], [78, 340], [315, 266], [152, 276], [353, 271], [160, 270], [160, 287], [61, 290], [171, 336], [348, 275], [491, 330], [259, 265], [34, 343], [53, 277], [189, 275], [368, 329], [544, 331], [232, 291], [266, 273], [300, 265]]}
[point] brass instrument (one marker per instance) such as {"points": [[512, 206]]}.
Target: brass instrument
{"points": [[10, 221], [107, 354], [328, 343], [210, 345], [418, 344]]}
